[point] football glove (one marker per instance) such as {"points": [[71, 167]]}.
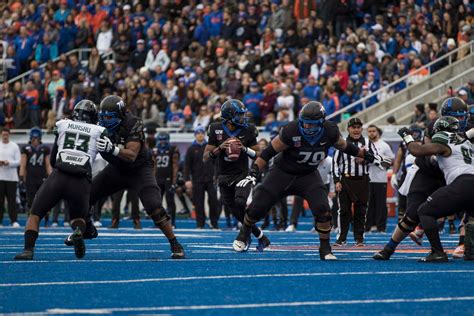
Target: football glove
{"points": [[248, 180], [406, 135], [394, 181], [172, 188], [378, 160], [104, 145]]}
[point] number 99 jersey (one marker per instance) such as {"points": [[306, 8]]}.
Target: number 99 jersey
{"points": [[76, 143], [304, 154]]}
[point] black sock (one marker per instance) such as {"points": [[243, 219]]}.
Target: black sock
{"points": [[392, 244], [30, 239], [173, 240], [461, 240], [324, 243], [433, 237], [255, 231]]}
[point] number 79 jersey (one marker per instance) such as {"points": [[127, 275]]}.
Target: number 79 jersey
{"points": [[460, 161], [304, 154], [76, 143]]}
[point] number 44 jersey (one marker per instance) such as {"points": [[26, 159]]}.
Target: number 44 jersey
{"points": [[304, 153], [460, 161], [76, 142]]}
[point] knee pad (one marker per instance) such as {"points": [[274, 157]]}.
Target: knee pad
{"points": [[407, 225], [322, 230], [160, 217], [249, 221]]}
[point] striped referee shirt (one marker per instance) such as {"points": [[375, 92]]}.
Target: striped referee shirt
{"points": [[345, 165]]}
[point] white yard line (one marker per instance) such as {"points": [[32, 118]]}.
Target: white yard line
{"points": [[241, 276]]}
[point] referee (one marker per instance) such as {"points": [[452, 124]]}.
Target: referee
{"points": [[351, 179]]}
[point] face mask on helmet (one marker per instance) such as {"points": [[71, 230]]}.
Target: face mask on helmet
{"points": [[240, 119], [462, 117], [109, 120], [311, 127], [162, 141], [446, 124], [35, 133]]}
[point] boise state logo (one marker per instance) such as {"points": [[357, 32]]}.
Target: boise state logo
{"points": [[297, 141]]}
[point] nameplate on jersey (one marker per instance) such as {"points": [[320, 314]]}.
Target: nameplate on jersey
{"points": [[219, 134], [73, 159], [296, 141]]}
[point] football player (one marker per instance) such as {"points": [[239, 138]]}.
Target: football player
{"points": [[35, 165], [73, 153], [166, 159], [234, 127], [299, 148], [423, 178], [130, 167], [455, 154]]}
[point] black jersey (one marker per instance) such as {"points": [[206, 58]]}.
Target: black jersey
{"points": [[218, 133], [164, 162], [428, 164], [35, 167], [304, 154], [130, 130]]}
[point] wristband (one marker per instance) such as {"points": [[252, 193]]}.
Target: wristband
{"points": [[116, 151], [250, 152]]}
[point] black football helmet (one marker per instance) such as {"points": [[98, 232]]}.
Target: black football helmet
{"points": [[234, 111], [446, 124], [311, 118], [162, 140], [85, 111], [112, 111], [417, 132], [457, 108]]}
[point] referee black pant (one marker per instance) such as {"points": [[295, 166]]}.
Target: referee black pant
{"points": [[377, 210], [199, 190], [8, 190], [355, 192], [117, 199]]}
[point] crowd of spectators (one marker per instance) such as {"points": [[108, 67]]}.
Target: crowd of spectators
{"points": [[175, 62]]}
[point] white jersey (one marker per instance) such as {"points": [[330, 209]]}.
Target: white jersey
{"points": [[460, 161], [325, 169], [77, 145]]}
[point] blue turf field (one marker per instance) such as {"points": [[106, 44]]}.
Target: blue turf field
{"points": [[127, 271]]}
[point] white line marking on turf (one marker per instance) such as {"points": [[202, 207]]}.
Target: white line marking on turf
{"points": [[102, 234], [259, 305], [242, 276]]}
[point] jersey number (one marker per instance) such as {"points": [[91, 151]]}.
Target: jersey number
{"points": [[36, 160], [76, 141], [312, 158], [467, 155], [162, 161]]}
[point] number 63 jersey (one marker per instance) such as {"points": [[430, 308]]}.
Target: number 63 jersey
{"points": [[76, 143], [460, 161], [303, 153]]}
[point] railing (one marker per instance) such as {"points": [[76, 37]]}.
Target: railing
{"points": [[83, 55], [438, 91], [363, 101]]}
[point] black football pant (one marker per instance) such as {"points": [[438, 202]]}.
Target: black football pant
{"points": [[117, 199], [278, 183], [63, 186], [447, 200], [199, 190], [354, 193], [169, 196], [8, 191], [377, 209]]}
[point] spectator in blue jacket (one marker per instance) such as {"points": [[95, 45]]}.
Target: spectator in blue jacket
{"points": [[213, 21], [312, 90], [252, 101], [46, 50], [62, 13], [24, 46]]}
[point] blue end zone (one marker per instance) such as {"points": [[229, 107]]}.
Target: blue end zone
{"points": [[129, 272]]}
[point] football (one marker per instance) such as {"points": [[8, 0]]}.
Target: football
{"points": [[233, 151]]}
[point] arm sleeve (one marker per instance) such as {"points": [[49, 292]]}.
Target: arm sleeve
{"points": [[136, 133], [285, 136], [440, 138], [212, 139], [54, 152]]}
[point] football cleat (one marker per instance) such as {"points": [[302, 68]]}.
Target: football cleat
{"points": [[177, 251], [383, 254], [263, 243], [241, 246], [359, 244], [417, 236], [435, 257], [458, 253], [98, 224], [291, 228], [25, 255], [339, 243], [78, 243], [452, 229], [114, 224], [68, 241], [137, 224]]}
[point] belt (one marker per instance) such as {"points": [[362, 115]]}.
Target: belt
{"points": [[348, 176]]}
